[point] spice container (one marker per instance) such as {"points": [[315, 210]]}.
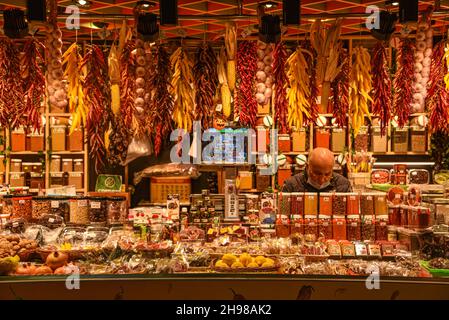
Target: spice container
{"points": [[18, 140], [400, 139], [58, 179], [378, 141], [283, 174], [51, 221], [380, 204], [297, 224], [58, 138], [353, 228], [367, 204], [36, 142], [400, 179], [325, 227], [338, 140], [418, 137], [394, 215], [97, 210], [353, 204], [282, 226], [262, 181], [339, 204], [40, 207], [117, 210], [37, 180], [17, 179], [382, 228], [67, 165], [368, 231], [299, 140], [297, 203], [418, 176], [322, 138], [400, 168], [21, 207], [2, 163], [380, 176], [339, 227], [60, 206], [16, 165], [325, 204], [423, 217], [361, 140], [36, 167], [79, 210], [78, 165], [403, 210], [284, 143], [27, 167], [310, 203], [55, 165], [75, 140], [7, 205], [76, 179], [263, 138], [412, 217], [310, 225]]}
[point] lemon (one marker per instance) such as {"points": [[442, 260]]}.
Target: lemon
{"points": [[237, 264], [260, 260]]}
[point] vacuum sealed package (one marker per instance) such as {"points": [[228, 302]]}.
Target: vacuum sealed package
{"points": [[168, 169]]}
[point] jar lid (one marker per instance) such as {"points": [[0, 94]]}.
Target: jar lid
{"points": [[78, 160], [55, 157], [67, 159], [7, 196], [76, 198], [58, 126], [36, 175]]}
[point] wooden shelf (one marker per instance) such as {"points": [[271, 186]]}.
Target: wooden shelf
{"points": [[27, 152], [37, 190], [67, 152], [401, 153]]}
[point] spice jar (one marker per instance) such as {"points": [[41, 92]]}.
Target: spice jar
{"points": [[58, 137], [37, 180], [262, 181], [367, 204], [27, 167], [378, 141], [58, 179], [325, 227], [361, 140], [412, 217], [78, 165], [353, 204], [79, 210], [7, 205], [325, 204], [310, 225], [284, 143], [117, 210], [418, 137], [2, 163], [299, 140], [394, 215], [17, 179], [353, 228], [400, 139], [297, 224], [55, 165], [297, 203], [16, 165], [310, 203], [368, 228], [339, 227], [67, 165], [22, 207], [36, 167], [423, 217], [40, 207], [18, 140], [76, 179], [338, 140], [75, 141], [322, 138], [60, 206], [382, 228], [97, 209], [283, 174], [36, 142], [339, 204], [380, 204], [282, 226], [403, 209], [418, 176]]}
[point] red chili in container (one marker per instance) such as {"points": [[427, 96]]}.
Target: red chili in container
{"points": [[297, 203], [423, 217], [404, 215], [353, 206], [339, 227], [325, 204], [297, 224], [311, 225]]}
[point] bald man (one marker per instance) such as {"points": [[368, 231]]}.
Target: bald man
{"points": [[318, 176]]}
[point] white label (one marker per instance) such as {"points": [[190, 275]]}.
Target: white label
{"points": [[352, 198], [21, 201], [353, 224], [55, 204], [95, 205], [414, 173], [15, 224], [397, 196], [82, 203], [377, 175], [51, 220], [369, 198]]}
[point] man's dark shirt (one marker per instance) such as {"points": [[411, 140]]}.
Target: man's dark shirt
{"points": [[298, 183]]}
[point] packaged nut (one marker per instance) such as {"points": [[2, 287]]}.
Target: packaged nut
{"points": [[22, 207]]}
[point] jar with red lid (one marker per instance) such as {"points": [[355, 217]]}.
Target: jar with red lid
{"points": [[353, 206], [368, 228], [353, 228], [382, 228], [310, 225], [394, 215], [423, 216], [339, 227], [325, 204], [325, 227]]}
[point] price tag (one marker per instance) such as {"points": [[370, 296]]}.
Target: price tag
{"points": [[95, 205], [397, 196], [353, 224], [55, 204], [21, 201], [51, 220], [369, 198], [82, 203], [15, 224], [414, 173]]}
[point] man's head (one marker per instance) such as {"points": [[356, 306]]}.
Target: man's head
{"points": [[320, 167]]}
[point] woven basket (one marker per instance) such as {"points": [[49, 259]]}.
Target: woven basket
{"points": [[161, 187]]}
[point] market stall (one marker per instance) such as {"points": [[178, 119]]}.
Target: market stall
{"points": [[94, 125]]}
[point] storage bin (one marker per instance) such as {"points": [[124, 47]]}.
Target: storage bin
{"points": [[299, 140], [37, 180], [55, 165], [75, 140], [78, 165], [284, 143], [27, 167], [378, 141], [58, 138], [17, 179], [245, 180], [418, 137], [58, 179], [18, 140], [67, 165], [16, 165], [400, 139], [338, 140], [361, 140], [322, 138], [37, 167], [36, 142], [283, 174]]}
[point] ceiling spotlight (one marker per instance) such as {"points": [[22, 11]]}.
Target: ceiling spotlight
{"points": [[391, 3], [145, 4], [269, 4], [83, 3]]}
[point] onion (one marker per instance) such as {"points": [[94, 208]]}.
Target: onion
{"points": [[139, 103], [139, 43], [423, 25], [268, 93], [56, 53], [57, 44], [56, 84], [147, 97], [268, 50], [260, 65], [141, 61], [57, 34], [418, 98], [429, 33], [49, 28], [51, 90], [57, 74], [421, 45], [261, 87], [416, 107], [418, 87], [56, 64], [147, 45], [425, 72], [424, 81], [140, 52], [140, 71], [140, 82], [269, 81], [418, 77], [268, 69], [260, 97], [260, 75], [53, 100], [420, 36], [60, 94], [267, 60], [62, 104]]}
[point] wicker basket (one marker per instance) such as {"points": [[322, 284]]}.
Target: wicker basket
{"points": [[161, 187]]}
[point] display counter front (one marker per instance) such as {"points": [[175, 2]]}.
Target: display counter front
{"points": [[212, 286]]}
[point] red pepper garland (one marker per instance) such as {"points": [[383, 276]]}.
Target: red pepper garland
{"points": [[403, 84], [127, 84], [97, 90], [162, 102], [280, 86], [34, 82], [340, 90], [11, 85], [438, 95], [246, 70], [381, 86]]}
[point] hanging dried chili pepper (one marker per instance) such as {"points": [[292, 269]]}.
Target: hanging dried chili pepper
{"points": [[340, 90], [127, 84], [280, 87]]}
